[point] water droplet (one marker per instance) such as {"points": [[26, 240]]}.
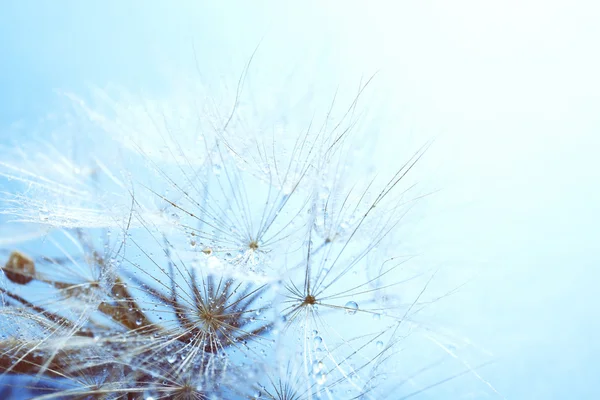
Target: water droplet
{"points": [[138, 321], [351, 307], [317, 341], [317, 366], [171, 358], [379, 345], [321, 378]]}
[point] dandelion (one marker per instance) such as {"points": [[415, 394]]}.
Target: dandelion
{"points": [[227, 263]]}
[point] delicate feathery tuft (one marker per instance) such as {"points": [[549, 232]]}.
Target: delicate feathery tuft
{"points": [[205, 247]]}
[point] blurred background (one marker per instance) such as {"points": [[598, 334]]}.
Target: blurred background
{"points": [[509, 92]]}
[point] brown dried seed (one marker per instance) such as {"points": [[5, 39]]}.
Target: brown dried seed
{"points": [[19, 268], [309, 300]]}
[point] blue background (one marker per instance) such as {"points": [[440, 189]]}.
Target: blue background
{"points": [[510, 91]]}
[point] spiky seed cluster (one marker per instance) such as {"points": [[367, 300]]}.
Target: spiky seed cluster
{"points": [[257, 272]]}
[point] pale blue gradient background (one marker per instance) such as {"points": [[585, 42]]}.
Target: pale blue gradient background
{"points": [[510, 90]]}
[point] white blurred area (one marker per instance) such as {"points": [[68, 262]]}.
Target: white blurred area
{"points": [[509, 91]]}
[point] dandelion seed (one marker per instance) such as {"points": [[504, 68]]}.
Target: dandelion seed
{"points": [[19, 268]]}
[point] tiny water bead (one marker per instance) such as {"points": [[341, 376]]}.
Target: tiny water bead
{"points": [[321, 377], [317, 341], [351, 307], [150, 395], [317, 366]]}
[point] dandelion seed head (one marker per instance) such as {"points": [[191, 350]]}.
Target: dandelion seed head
{"points": [[210, 247]]}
